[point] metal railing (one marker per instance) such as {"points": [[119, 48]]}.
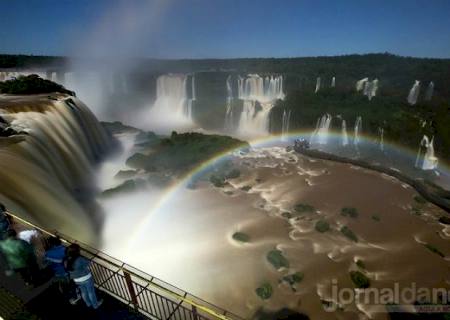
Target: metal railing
{"points": [[149, 295]]}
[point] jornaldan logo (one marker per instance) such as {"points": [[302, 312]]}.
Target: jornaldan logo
{"points": [[393, 299]]}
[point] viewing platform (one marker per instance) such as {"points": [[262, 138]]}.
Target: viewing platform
{"points": [[128, 293]]}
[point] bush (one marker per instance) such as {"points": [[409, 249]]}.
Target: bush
{"points": [[350, 212], [322, 226], [246, 188], [277, 260], [264, 291], [294, 278], [217, 181], [240, 236], [233, 174], [420, 199], [376, 218], [433, 249], [304, 208], [346, 231], [32, 84], [360, 264], [444, 220], [359, 279]]}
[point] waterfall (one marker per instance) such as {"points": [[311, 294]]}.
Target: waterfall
{"points": [[333, 82], [430, 90], [357, 131], [429, 161], [360, 84], [229, 116], [320, 135], [193, 91], [317, 85], [372, 88], [381, 141], [259, 95], [261, 89], [46, 174], [172, 108], [254, 118], [369, 88], [54, 77], [344, 133], [414, 93], [285, 125]]}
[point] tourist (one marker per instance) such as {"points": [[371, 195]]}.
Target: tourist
{"points": [[79, 271], [20, 257], [4, 222], [55, 257]]}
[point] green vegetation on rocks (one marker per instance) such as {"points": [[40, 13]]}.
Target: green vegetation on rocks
{"points": [[435, 250], [349, 212], [376, 218], [346, 231], [126, 186], [360, 264], [322, 226], [277, 260], [444, 220], [420, 199], [264, 291], [304, 208], [294, 278], [125, 174], [233, 174], [359, 279], [217, 181], [241, 237], [246, 188], [32, 84], [182, 152]]}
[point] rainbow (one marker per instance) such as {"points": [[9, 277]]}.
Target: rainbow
{"points": [[272, 140]]}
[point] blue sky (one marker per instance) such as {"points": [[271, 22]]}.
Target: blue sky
{"points": [[224, 28]]}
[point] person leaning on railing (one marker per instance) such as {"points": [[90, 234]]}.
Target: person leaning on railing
{"points": [[54, 257], [78, 268]]}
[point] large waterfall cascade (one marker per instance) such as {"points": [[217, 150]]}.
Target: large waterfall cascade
{"points": [[173, 105], [426, 160], [357, 131], [259, 95], [320, 134], [333, 82], [285, 124], [46, 174], [414, 93]]}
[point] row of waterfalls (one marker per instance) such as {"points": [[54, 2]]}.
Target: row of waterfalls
{"points": [[425, 159]]}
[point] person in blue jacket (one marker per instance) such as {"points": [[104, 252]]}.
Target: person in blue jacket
{"points": [[78, 268], [55, 257]]}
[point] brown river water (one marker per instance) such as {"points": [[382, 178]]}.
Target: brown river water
{"points": [[188, 241]]}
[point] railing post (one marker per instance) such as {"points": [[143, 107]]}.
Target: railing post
{"points": [[194, 313], [130, 287]]}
